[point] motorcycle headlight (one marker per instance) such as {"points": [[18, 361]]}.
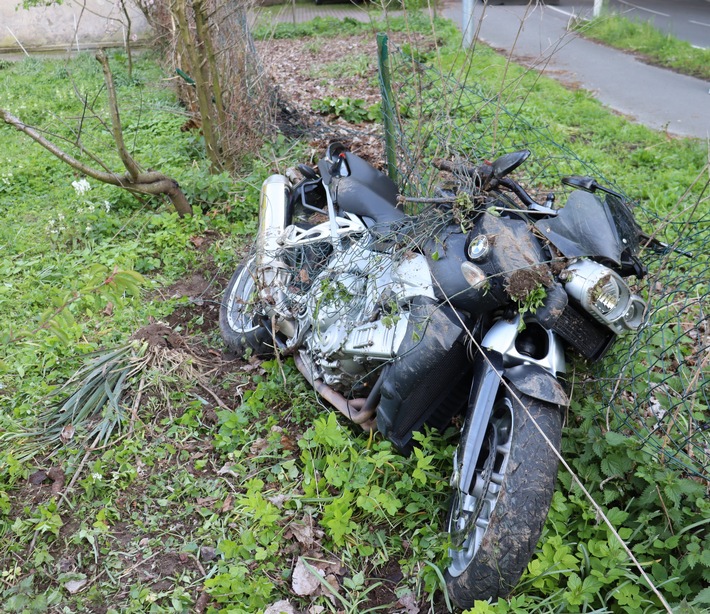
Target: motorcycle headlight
{"points": [[604, 294]]}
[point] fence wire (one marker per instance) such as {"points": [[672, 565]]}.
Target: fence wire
{"points": [[655, 385]]}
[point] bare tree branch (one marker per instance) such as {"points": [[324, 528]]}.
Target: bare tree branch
{"points": [[110, 178], [134, 180], [117, 132]]}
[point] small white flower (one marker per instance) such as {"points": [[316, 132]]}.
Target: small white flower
{"points": [[90, 208], [88, 228], [82, 186], [107, 206], [97, 477]]}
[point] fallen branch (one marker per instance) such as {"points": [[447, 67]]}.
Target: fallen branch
{"points": [[134, 180]]}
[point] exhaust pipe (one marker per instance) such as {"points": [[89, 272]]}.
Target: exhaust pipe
{"points": [[272, 275], [357, 410]]}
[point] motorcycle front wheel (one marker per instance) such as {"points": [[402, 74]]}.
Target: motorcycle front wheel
{"points": [[495, 525], [240, 323]]}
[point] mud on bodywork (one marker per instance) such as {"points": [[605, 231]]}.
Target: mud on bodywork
{"points": [[517, 256]]}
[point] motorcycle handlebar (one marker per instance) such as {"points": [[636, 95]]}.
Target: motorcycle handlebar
{"points": [[485, 179], [481, 174]]}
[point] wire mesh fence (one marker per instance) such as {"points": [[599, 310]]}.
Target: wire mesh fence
{"points": [[655, 385]]}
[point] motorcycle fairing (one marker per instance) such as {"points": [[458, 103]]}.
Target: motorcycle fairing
{"points": [[423, 384], [513, 255], [586, 227]]}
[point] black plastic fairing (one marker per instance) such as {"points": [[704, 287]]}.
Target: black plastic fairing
{"points": [[423, 384], [585, 226], [366, 191], [514, 253]]}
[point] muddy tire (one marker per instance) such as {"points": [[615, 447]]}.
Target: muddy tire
{"points": [[240, 322], [494, 530]]}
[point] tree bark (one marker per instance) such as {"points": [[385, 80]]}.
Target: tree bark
{"points": [[208, 59], [129, 26], [194, 49], [116, 129]]}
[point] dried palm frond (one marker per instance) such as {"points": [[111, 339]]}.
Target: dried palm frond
{"points": [[99, 400]]}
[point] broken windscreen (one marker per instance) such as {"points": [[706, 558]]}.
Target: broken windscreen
{"points": [[586, 226]]}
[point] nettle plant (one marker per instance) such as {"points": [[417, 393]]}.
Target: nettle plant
{"points": [[364, 506]]}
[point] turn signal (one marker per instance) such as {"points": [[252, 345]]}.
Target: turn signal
{"points": [[474, 275]]}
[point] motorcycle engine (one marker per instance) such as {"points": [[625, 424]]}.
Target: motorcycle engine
{"points": [[357, 311]]}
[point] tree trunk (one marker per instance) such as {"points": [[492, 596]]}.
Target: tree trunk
{"points": [[194, 48]]}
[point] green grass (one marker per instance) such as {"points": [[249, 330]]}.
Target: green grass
{"points": [[228, 477], [642, 38]]}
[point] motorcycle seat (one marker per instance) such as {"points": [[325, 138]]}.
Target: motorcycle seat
{"points": [[366, 192]]}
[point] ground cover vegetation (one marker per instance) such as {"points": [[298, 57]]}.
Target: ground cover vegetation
{"points": [[224, 485], [650, 43]]}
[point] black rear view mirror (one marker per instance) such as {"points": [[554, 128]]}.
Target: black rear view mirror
{"points": [[588, 184], [509, 162]]}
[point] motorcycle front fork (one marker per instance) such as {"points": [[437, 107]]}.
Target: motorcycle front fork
{"points": [[530, 358]]}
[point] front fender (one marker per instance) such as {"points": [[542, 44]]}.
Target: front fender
{"points": [[537, 383], [489, 373], [532, 380]]}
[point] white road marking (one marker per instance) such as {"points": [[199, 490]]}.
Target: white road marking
{"points": [[567, 13], [641, 8], [700, 23]]}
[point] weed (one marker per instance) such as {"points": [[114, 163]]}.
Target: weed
{"points": [[233, 473], [352, 110]]}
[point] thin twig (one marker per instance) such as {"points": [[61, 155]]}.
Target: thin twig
{"points": [[213, 395], [136, 403]]}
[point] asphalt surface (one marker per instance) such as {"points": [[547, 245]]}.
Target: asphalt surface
{"points": [[687, 20], [538, 37]]}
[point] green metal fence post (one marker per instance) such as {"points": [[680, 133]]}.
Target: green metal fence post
{"points": [[387, 109]]}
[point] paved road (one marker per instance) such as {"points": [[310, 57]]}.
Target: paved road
{"points": [[538, 37]]}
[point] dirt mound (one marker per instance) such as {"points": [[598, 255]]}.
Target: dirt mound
{"points": [[159, 335]]}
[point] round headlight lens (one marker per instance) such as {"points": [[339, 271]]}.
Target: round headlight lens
{"points": [[474, 275], [606, 294], [479, 247]]}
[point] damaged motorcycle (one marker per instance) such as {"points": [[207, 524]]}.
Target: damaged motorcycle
{"points": [[463, 311]]}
